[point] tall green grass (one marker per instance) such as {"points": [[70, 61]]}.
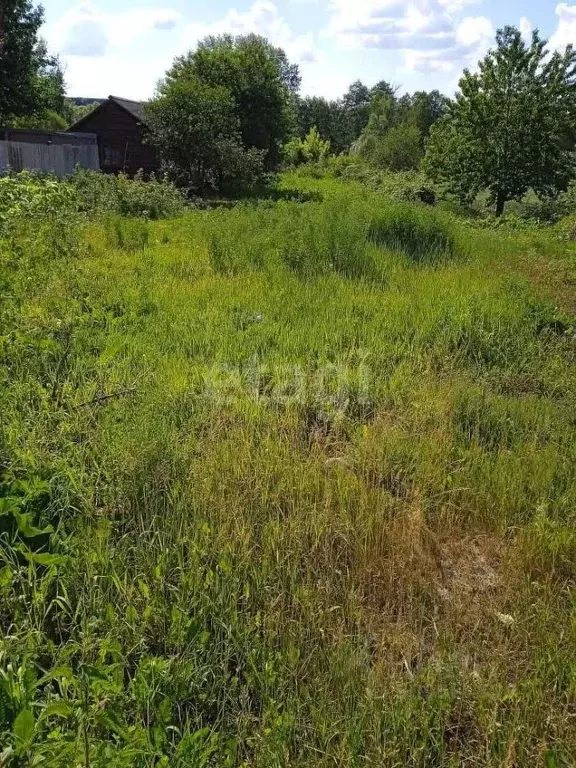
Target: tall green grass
{"points": [[421, 235], [278, 492]]}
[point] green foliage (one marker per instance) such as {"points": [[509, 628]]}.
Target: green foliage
{"points": [[329, 117], [342, 121], [75, 112], [246, 77], [396, 130], [409, 186], [150, 199], [356, 103], [31, 81], [38, 220], [311, 149], [399, 150], [28, 195], [46, 120], [423, 110], [21, 22], [197, 130], [40, 214], [511, 127]]}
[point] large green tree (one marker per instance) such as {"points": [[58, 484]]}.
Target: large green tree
{"points": [[196, 128], [31, 81], [260, 79], [512, 125]]}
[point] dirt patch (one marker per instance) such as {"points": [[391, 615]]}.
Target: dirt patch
{"points": [[470, 568]]}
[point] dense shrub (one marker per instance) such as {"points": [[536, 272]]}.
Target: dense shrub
{"points": [[399, 149], [38, 217], [311, 149], [197, 130], [151, 199], [30, 195]]}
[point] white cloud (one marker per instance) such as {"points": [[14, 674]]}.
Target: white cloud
{"points": [[262, 18], [526, 29], [106, 52], [85, 30], [474, 31], [429, 33], [453, 6], [566, 31]]}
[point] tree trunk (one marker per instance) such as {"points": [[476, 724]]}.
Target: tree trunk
{"points": [[500, 203]]}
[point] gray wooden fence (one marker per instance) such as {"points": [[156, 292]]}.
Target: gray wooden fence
{"points": [[56, 152]]}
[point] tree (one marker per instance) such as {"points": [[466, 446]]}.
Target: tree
{"points": [[383, 117], [397, 128], [260, 80], [196, 128], [382, 87], [31, 81], [50, 108], [50, 84], [74, 112], [356, 103], [329, 117], [425, 109], [389, 140], [512, 125], [400, 149]]}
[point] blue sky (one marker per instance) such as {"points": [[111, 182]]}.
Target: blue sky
{"points": [[124, 46]]}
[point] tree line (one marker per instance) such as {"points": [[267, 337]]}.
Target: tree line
{"points": [[229, 112]]}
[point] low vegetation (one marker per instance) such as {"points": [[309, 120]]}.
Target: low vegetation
{"points": [[287, 483], [89, 192]]}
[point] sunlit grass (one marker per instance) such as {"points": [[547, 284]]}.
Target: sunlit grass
{"points": [[315, 493]]}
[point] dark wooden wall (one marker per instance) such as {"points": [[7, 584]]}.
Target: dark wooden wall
{"points": [[121, 141]]}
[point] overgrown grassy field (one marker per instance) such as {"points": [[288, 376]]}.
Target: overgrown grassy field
{"points": [[287, 484]]}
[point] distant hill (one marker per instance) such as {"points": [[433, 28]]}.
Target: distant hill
{"points": [[81, 101]]}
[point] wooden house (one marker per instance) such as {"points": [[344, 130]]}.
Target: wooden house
{"points": [[120, 127]]}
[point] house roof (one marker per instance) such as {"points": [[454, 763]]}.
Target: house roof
{"points": [[134, 108]]}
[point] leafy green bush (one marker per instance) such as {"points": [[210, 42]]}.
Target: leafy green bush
{"points": [[27, 195], [197, 130], [152, 199], [38, 217], [422, 236], [400, 149], [311, 149]]}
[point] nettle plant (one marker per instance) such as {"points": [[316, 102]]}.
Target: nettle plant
{"points": [[27, 194]]}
